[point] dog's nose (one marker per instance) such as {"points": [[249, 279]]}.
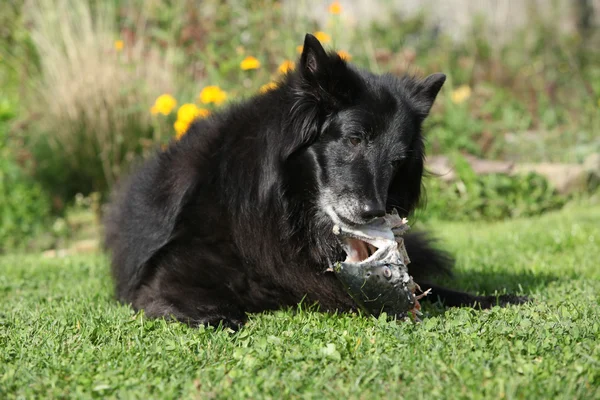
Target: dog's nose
{"points": [[372, 210]]}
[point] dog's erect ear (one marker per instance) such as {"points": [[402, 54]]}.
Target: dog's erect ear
{"points": [[426, 91], [314, 59], [325, 76], [323, 84]]}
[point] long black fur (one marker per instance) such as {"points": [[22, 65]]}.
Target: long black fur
{"points": [[237, 216]]}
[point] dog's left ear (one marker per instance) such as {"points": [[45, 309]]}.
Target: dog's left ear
{"points": [[323, 83], [324, 77], [426, 91], [314, 60]]}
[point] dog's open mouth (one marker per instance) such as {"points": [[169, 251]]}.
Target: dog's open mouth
{"points": [[358, 250], [363, 244]]}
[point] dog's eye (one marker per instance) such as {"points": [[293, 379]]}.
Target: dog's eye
{"points": [[355, 141]]}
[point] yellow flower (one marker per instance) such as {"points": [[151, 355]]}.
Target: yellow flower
{"points": [[460, 94], [299, 49], [119, 45], [286, 66], [250, 63], [335, 8], [212, 94], [267, 86], [322, 37], [180, 128], [187, 114], [344, 55], [164, 104]]}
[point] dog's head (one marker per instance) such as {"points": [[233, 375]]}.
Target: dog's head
{"points": [[361, 134]]}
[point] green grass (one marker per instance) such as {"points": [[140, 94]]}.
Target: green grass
{"points": [[62, 335]]}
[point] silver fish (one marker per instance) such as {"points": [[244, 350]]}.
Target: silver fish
{"points": [[375, 271]]}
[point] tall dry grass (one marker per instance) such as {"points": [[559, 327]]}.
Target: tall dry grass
{"points": [[92, 98]]}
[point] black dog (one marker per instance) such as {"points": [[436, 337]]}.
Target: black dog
{"points": [[237, 216]]}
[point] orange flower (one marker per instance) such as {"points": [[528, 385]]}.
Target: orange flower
{"points": [[119, 45], [335, 8], [267, 86], [250, 63], [344, 55], [322, 37], [203, 113], [299, 49], [286, 66], [212, 94]]}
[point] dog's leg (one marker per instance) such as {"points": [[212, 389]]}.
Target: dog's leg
{"points": [[193, 306]]}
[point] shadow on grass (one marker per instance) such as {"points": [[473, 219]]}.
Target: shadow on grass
{"points": [[483, 282], [493, 283]]}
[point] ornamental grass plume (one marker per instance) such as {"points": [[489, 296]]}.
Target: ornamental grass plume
{"points": [[89, 96]]}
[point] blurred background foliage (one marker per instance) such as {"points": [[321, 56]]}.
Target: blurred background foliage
{"points": [[80, 81]]}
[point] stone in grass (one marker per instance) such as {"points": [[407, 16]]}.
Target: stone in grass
{"points": [[375, 270]]}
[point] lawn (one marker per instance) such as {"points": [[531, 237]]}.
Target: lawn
{"points": [[62, 334]]}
